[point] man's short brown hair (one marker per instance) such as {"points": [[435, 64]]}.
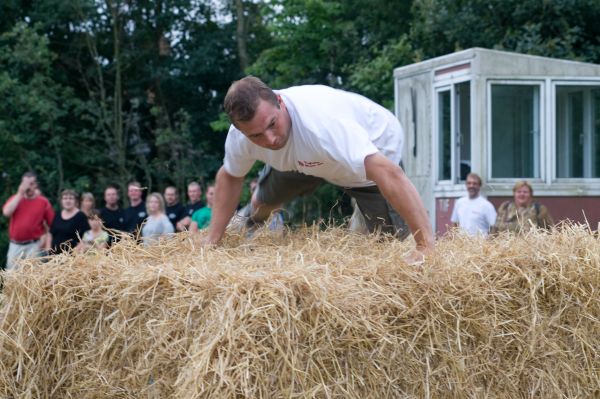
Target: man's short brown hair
{"points": [[29, 173], [243, 97]]}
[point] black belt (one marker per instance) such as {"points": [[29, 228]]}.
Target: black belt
{"points": [[24, 242]]}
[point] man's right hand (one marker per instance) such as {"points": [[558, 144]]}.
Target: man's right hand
{"points": [[28, 182], [208, 242], [23, 187]]}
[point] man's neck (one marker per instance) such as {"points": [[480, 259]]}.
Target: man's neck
{"points": [[112, 207], [134, 203]]}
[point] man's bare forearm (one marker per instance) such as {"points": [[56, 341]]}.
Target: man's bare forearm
{"points": [[10, 207], [407, 202], [403, 196], [227, 195]]}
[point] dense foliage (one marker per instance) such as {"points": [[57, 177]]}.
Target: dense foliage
{"points": [[104, 91]]}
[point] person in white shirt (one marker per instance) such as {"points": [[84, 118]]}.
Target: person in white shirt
{"points": [[473, 213], [307, 135]]}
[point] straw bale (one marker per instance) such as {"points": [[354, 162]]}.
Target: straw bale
{"points": [[322, 314]]}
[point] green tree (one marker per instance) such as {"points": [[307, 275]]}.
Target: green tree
{"points": [[558, 28], [373, 77], [319, 41], [33, 108]]}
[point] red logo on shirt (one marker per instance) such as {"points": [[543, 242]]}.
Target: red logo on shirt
{"points": [[309, 164]]}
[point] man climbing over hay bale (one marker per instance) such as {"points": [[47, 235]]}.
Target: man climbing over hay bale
{"points": [[307, 135]]}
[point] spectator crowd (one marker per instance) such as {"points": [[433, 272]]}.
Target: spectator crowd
{"points": [[36, 229], [477, 216]]}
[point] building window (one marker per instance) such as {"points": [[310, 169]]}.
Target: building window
{"points": [[444, 136], [454, 132], [462, 94], [515, 131], [577, 131]]}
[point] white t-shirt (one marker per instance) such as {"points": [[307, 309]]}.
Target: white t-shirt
{"points": [[333, 131], [475, 216]]}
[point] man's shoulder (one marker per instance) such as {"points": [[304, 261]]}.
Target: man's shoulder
{"points": [[190, 208], [234, 133], [141, 205], [36, 201], [486, 201], [462, 200], [301, 89], [108, 211], [138, 211], [237, 142], [316, 99], [194, 205], [41, 199], [319, 97], [176, 207]]}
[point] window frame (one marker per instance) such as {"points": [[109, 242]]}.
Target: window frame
{"points": [[437, 112], [554, 131], [445, 86], [543, 139]]}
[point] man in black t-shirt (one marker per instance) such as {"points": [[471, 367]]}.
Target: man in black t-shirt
{"points": [[113, 218], [174, 210], [194, 192], [136, 213], [112, 215]]}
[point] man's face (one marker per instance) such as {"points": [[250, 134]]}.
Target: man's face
{"points": [[170, 196], [210, 196], [111, 196], [473, 187], [270, 127], [134, 193], [31, 185], [194, 193]]}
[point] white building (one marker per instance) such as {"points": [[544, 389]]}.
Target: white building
{"points": [[506, 117]]}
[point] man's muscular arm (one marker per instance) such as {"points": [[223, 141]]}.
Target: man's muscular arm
{"points": [[228, 189], [402, 195]]}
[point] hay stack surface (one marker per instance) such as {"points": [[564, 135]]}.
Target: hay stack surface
{"points": [[311, 314]]}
